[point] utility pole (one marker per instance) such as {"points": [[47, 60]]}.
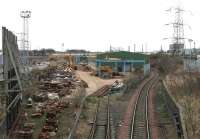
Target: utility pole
{"points": [[134, 47], [62, 47], [142, 48], [190, 60], [195, 53], [146, 47], [129, 48]]}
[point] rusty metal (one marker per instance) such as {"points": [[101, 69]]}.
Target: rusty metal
{"points": [[50, 108], [102, 91], [36, 115], [44, 135], [25, 134]]}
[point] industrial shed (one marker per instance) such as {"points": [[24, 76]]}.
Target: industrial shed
{"points": [[123, 61]]}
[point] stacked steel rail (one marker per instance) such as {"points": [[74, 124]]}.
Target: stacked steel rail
{"points": [[102, 91], [140, 123]]}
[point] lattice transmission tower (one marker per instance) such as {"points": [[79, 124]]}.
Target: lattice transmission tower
{"points": [[178, 41]]}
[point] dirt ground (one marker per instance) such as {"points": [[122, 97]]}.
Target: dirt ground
{"points": [[94, 82]]}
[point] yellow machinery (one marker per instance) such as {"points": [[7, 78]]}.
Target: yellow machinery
{"points": [[70, 60], [106, 70]]}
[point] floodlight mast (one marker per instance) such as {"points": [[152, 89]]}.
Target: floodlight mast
{"points": [[25, 15]]}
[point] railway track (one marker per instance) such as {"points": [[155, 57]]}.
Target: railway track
{"points": [[135, 123], [101, 128], [140, 120]]}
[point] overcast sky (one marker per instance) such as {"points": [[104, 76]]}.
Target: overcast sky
{"points": [[96, 24]]}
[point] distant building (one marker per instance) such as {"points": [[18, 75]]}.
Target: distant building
{"points": [[75, 51], [176, 49], [192, 65], [123, 61]]}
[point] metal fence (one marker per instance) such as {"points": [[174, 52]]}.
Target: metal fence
{"points": [[12, 84]]}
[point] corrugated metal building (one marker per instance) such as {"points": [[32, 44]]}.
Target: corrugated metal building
{"points": [[123, 61]]}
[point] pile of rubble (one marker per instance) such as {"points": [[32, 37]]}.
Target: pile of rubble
{"points": [[57, 85], [49, 109], [26, 131], [49, 101], [50, 126]]}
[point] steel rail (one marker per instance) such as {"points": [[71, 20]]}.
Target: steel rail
{"points": [[150, 83], [146, 103], [92, 131], [107, 127], [108, 131]]}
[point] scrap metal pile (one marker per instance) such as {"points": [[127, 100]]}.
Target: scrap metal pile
{"points": [[50, 126], [103, 91], [56, 85], [49, 101], [24, 130], [85, 67]]}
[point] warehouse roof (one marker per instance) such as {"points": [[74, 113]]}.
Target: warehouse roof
{"points": [[123, 55]]}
